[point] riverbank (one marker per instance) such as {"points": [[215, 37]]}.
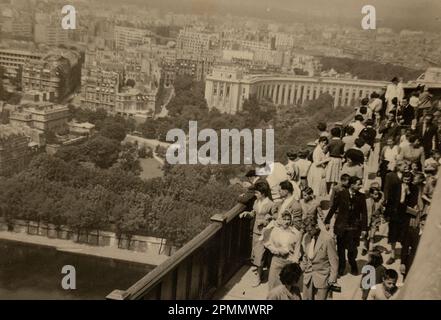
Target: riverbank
{"points": [[148, 258]]}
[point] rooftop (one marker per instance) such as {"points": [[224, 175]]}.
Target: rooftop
{"points": [[7, 131]]}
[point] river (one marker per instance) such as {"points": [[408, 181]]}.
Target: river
{"points": [[34, 272]]}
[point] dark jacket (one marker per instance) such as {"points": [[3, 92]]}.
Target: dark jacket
{"points": [[388, 131], [428, 137], [392, 195], [351, 212]]}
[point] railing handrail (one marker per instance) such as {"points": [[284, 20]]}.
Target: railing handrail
{"points": [[156, 275]]}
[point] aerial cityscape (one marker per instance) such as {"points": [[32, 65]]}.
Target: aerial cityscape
{"points": [[132, 142]]}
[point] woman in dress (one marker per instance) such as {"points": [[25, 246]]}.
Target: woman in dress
{"points": [[336, 151], [284, 243], [317, 172], [414, 152], [262, 214]]}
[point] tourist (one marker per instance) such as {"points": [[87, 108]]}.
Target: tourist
{"points": [[344, 183], [414, 215], [304, 166], [413, 152], [310, 205], [404, 138], [375, 209], [395, 191], [360, 144], [425, 103], [320, 261], [322, 128], [390, 153], [247, 198], [350, 223], [284, 243], [434, 160], [391, 93], [354, 163], [375, 260], [405, 114], [289, 289], [388, 129], [261, 214], [349, 138], [375, 105], [317, 173], [336, 152], [369, 134], [388, 289], [291, 167], [357, 125], [290, 203], [428, 132]]}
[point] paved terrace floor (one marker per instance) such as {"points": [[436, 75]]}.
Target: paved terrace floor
{"points": [[240, 285]]}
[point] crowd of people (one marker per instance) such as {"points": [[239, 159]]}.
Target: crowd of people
{"points": [[369, 180]]}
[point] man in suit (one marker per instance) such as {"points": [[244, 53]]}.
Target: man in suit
{"points": [[289, 203], [393, 200], [320, 261], [428, 132], [350, 223]]}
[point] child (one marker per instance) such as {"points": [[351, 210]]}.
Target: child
{"points": [[375, 260], [388, 289], [374, 204]]}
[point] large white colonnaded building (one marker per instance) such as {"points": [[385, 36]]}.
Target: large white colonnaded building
{"points": [[226, 88]]}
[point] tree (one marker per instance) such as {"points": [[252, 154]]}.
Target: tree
{"points": [[129, 159], [102, 151], [113, 130]]}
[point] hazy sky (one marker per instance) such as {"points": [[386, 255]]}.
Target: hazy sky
{"points": [[399, 14]]}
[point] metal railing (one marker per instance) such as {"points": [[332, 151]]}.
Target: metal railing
{"points": [[200, 267]]}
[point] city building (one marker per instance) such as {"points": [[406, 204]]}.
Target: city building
{"points": [[99, 88], [44, 116], [127, 37], [13, 60], [58, 72], [134, 103], [13, 150], [47, 29], [227, 88], [196, 41], [195, 66], [17, 23]]}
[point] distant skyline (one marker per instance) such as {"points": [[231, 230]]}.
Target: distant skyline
{"points": [[397, 14]]}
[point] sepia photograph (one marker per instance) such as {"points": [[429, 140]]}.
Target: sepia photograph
{"points": [[247, 151]]}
